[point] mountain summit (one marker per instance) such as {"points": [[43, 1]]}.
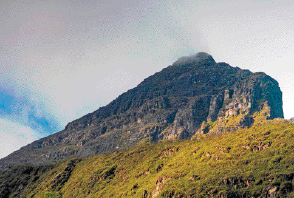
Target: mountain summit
{"points": [[199, 57], [193, 96]]}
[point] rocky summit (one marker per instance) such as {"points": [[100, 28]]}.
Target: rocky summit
{"points": [[193, 96]]}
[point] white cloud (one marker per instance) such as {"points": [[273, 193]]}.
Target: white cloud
{"points": [[14, 136], [68, 60]]}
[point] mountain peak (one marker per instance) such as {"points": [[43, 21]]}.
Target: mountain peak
{"points": [[193, 97], [196, 58]]}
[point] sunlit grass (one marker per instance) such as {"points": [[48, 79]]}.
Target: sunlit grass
{"points": [[249, 163]]}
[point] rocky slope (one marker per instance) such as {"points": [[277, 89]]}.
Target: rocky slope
{"points": [[255, 162], [193, 96]]}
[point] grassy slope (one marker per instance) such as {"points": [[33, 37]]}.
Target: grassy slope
{"points": [[250, 162]]}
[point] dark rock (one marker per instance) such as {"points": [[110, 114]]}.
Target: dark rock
{"points": [[171, 104]]}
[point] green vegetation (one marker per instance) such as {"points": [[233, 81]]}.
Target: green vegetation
{"points": [[254, 162]]}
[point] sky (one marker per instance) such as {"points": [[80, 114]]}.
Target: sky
{"points": [[63, 59]]}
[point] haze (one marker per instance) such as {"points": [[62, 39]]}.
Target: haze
{"points": [[63, 59]]}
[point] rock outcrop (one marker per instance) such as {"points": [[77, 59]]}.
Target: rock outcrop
{"points": [[182, 100]]}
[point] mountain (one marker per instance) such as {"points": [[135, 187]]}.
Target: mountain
{"points": [[192, 97]]}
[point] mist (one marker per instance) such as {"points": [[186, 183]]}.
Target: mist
{"points": [[62, 60]]}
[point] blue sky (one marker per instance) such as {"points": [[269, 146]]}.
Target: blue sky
{"points": [[63, 59]]}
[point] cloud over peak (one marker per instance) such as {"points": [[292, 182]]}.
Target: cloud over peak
{"points": [[200, 56]]}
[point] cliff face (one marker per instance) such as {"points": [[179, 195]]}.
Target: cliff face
{"points": [[172, 104]]}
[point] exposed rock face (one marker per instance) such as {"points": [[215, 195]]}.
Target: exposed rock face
{"points": [[171, 104]]}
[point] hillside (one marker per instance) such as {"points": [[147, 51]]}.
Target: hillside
{"points": [[193, 96], [254, 162]]}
